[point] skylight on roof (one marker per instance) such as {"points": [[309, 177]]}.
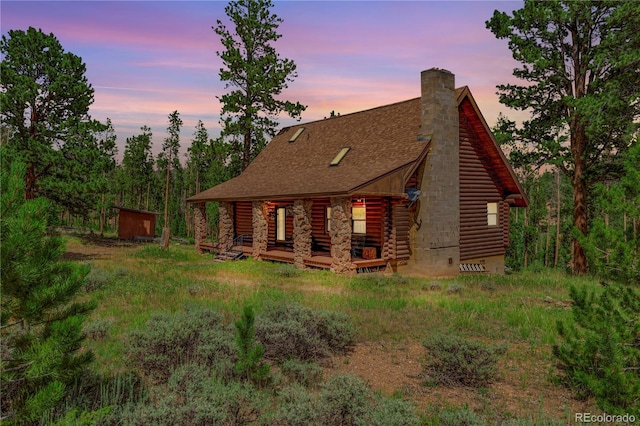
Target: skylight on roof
{"points": [[338, 158], [296, 134]]}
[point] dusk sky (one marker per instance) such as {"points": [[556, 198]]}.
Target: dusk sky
{"points": [[146, 59]]}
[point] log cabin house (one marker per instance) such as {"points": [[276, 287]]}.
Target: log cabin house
{"points": [[419, 187]]}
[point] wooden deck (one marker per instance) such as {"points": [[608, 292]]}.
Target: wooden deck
{"points": [[318, 260]]}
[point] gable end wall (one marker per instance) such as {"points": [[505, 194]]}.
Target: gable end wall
{"points": [[478, 241]]}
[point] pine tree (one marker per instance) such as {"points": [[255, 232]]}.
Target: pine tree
{"points": [[45, 96], [41, 325], [580, 63], [249, 365], [600, 350], [253, 67]]}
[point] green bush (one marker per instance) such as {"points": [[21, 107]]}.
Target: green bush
{"points": [[393, 412], [456, 361], [290, 330], [305, 373], [460, 417], [98, 328], [296, 407], [600, 350], [169, 340], [198, 402], [344, 400]]}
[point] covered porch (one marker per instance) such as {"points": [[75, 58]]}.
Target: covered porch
{"points": [[343, 234]]}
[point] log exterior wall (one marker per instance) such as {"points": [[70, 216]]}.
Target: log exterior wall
{"points": [[478, 186]]}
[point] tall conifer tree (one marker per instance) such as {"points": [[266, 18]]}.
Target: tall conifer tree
{"points": [[257, 74], [581, 67]]}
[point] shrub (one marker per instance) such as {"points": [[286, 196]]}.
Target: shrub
{"points": [[287, 271], [393, 412], [296, 407], [455, 288], [97, 279], [457, 361], [460, 417], [344, 400], [170, 340], [600, 351], [98, 328], [209, 402], [290, 330], [305, 373]]}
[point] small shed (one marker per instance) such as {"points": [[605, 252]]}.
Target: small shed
{"points": [[136, 224]]}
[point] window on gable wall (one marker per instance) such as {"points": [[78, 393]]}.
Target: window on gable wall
{"points": [[492, 214]]}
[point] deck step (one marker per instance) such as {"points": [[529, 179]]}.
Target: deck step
{"points": [[229, 255]]}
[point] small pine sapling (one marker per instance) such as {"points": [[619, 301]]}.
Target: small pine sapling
{"points": [[250, 353]]}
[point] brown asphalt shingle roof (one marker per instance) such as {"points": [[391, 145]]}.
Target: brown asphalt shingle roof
{"points": [[382, 140], [383, 143]]}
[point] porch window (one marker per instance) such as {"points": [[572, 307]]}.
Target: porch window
{"points": [[492, 214], [359, 216], [281, 218]]}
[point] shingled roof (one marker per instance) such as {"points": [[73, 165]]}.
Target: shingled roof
{"points": [[385, 148]]}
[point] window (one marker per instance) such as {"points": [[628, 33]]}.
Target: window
{"points": [[338, 158], [327, 220], [296, 134], [359, 216], [492, 214], [281, 223]]}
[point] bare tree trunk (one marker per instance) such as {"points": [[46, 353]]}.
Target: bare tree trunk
{"points": [[578, 143], [557, 248], [548, 237]]}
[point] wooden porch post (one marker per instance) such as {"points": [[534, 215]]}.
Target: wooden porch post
{"points": [[341, 235], [200, 225], [301, 232], [225, 237], [260, 229]]}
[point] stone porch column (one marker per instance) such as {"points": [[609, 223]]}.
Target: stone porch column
{"points": [[301, 232], [341, 235], [225, 212], [199, 225], [260, 228]]}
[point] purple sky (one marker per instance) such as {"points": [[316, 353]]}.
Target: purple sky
{"points": [[146, 59]]}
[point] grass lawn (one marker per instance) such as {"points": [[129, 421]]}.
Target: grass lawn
{"points": [[393, 315]]}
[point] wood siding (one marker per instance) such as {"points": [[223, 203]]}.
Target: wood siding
{"points": [[477, 188], [243, 217]]}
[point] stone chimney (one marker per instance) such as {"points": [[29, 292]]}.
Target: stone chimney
{"points": [[437, 238]]}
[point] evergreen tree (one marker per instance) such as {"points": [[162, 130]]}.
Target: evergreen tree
{"points": [[250, 364], [167, 160], [44, 99], [600, 351], [613, 241], [137, 170], [41, 325], [252, 66], [580, 62]]}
